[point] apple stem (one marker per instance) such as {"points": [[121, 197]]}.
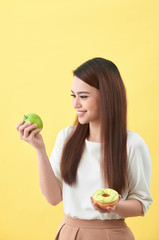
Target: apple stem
{"points": [[25, 116]]}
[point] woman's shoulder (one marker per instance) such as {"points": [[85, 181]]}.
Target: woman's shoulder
{"points": [[135, 141], [65, 132]]}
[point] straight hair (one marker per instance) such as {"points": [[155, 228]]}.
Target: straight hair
{"points": [[103, 75]]}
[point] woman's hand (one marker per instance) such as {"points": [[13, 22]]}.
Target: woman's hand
{"points": [[104, 209], [29, 135]]}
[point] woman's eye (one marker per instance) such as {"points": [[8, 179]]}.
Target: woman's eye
{"points": [[80, 96]]}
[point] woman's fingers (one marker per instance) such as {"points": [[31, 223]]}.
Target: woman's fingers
{"points": [[22, 128], [27, 130], [91, 200], [101, 209], [34, 132], [95, 206], [19, 124], [30, 133]]}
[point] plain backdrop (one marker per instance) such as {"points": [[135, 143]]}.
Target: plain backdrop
{"points": [[41, 43]]}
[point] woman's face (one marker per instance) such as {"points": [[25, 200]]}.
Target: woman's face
{"points": [[85, 101]]}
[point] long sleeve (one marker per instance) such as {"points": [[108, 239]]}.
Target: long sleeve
{"points": [[139, 173]]}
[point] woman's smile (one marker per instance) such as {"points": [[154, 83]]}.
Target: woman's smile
{"points": [[81, 113]]}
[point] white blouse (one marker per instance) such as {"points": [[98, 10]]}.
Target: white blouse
{"points": [[76, 200]]}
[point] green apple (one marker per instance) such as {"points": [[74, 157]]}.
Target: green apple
{"points": [[33, 118]]}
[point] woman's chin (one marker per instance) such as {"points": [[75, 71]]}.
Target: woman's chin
{"points": [[82, 121]]}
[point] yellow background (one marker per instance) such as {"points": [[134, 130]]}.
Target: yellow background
{"points": [[41, 43]]}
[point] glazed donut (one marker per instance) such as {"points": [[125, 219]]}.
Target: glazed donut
{"points": [[106, 197]]}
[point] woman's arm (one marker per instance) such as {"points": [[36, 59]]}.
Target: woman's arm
{"points": [[128, 208], [49, 184], [125, 208], [139, 175]]}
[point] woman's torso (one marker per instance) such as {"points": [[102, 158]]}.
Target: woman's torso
{"points": [[76, 200]]}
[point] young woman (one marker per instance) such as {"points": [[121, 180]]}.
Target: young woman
{"points": [[97, 151]]}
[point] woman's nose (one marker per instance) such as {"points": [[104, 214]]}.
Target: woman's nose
{"points": [[76, 102]]}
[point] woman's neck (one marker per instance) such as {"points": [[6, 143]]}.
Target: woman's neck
{"points": [[94, 133]]}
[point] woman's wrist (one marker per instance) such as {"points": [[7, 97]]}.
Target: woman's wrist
{"points": [[41, 150]]}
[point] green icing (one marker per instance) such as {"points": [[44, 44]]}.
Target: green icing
{"points": [[98, 195]]}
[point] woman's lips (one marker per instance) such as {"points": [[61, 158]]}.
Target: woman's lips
{"points": [[81, 113]]}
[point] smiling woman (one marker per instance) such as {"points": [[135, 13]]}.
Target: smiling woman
{"points": [[103, 119], [97, 152]]}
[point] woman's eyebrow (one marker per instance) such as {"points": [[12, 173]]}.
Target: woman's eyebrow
{"points": [[81, 92]]}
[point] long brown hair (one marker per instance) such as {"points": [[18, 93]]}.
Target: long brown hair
{"points": [[103, 75]]}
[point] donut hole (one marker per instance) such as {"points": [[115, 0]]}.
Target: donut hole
{"points": [[105, 195]]}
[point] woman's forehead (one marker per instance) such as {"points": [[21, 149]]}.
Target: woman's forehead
{"points": [[80, 86]]}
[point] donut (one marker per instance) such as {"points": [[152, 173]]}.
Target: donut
{"points": [[106, 197]]}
